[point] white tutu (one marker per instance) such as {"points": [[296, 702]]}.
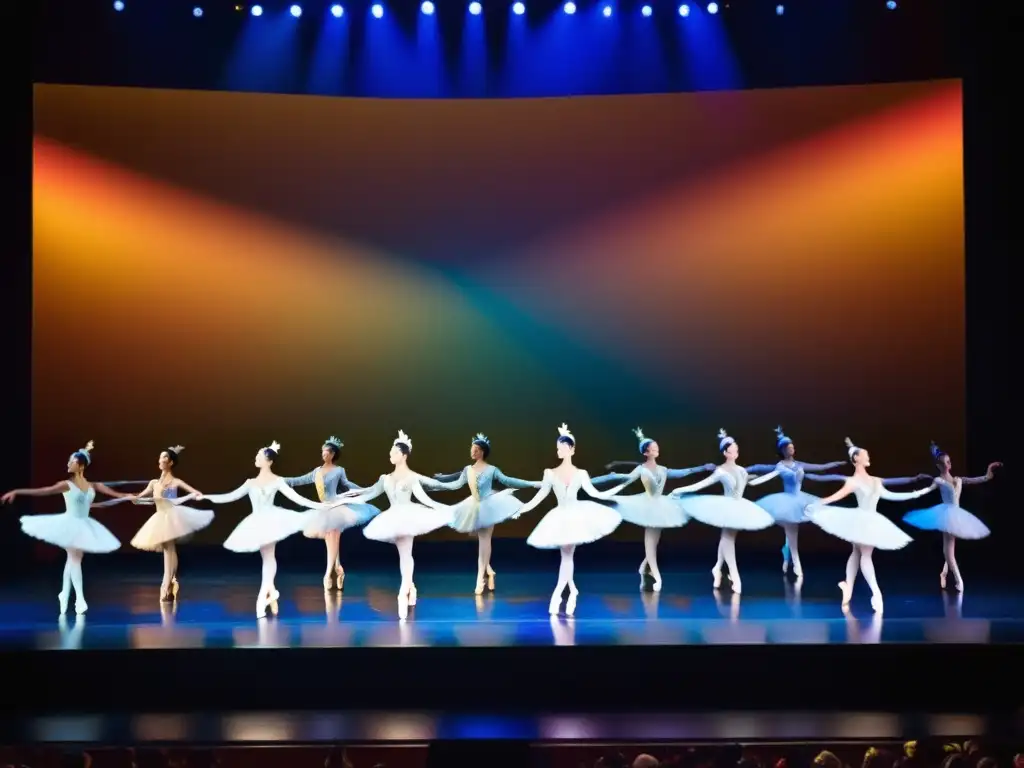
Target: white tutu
{"points": [[788, 507], [70, 532], [575, 522], [267, 526], [470, 515], [407, 519], [169, 523], [319, 522], [651, 511], [726, 512], [859, 526], [948, 518]]}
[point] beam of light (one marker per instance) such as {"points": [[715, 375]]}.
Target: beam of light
{"points": [[197, 12], [712, 7], [377, 11], [891, 5], [569, 7], [518, 9], [647, 10], [295, 11], [606, 11], [684, 10], [118, 5], [427, 8], [337, 11], [779, 10], [475, 8], [256, 10]]}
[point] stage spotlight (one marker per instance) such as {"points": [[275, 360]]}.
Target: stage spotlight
{"points": [[684, 10], [377, 11], [779, 10], [518, 9], [337, 11], [712, 7], [118, 5], [475, 8], [427, 8], [569, 7], [891, 5], [256, 10], [606, 11], [647, 10], [295, 11], [197, 12]]}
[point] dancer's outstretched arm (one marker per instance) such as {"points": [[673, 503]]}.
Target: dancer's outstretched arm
{"points": [[450, 482], [590, 490], [892, 481], [542, 493], [848, 487], [307, 479], [108, 491], [421, 495], [699, 485], [612, 477], [227, 498], [679, 474], [515, 482], [764, 478], [827, 478], [286, 490], [989, 475], [894, 496], [50, 490], [363, 495], [822, 467], [757, 469]]}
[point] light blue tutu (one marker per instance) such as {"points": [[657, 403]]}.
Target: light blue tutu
{"points": [[70, 532], [574, 523], [406, 519], [788, 507], [470, 515], [948, 518], [865, 527], [726, 512], [340, 518], [651, 511]]}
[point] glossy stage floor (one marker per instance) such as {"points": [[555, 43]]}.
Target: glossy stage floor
{"points": [[782, 644]]}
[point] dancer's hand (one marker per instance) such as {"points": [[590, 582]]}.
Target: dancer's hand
{"points": [[200, 496], [991, 469], [710, 467], [925, 476], [8, 497]]}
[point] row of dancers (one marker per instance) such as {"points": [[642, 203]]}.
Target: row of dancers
{"points": [[573, 522]]}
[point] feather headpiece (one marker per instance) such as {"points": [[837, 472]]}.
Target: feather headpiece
{"points": [[404, 439], [724, 441], [563, 431]]}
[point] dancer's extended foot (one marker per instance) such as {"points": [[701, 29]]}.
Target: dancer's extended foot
{"points": [[339, 574], [328, 582], [62, 600], [847, 592], [174, 589], [717, 574], [876, 603], [479, 589], [412, 595], [490, 578], [555, 606], [272, 599], [942, 579], [403, 606], [570, 604], [81, 606]]}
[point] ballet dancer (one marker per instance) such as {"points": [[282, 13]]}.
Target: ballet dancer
{"points": [[651, 510], [863, 526], [328, 523], [572, 522], [954, 521], [730, 511], [72, 530], [404, 519], [171, 521], [787, 508], [485, 507], [267, 524]]}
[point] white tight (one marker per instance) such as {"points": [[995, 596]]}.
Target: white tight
{"points": [[651, 538], [483, 560], [566, 569], [727, 554], [73, 575], [860, 558], [170, 565], [949, 550], [791, 550], [405, 564], [333, 541], [269, 570]]}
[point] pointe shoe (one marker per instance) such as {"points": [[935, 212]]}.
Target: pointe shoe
{"points": [[261, 607], [174, 590], [876, 603], [62, 600], [328, 583], [737, 586], [165, 594], [490, 578], [798, 572], [942, 580], [847, 592], [403, 607], [81, 607], [958, 586], [717, 574], [272, 600], [570, 604], [555, 606], [657, 585], [479, 589], [412, 596], [340, 577], [642, 570]]}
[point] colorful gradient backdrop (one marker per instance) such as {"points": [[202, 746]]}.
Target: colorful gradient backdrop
{"points": [[224, 269]]}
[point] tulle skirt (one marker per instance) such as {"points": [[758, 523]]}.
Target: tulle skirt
{"points": [[577, 522], [170, 522], [865, 527], [470, 515], [948, 518], [788, 507], [407, 519], [70, 532], [267, 526], [320, 522], [651, 511], [726, 512]]}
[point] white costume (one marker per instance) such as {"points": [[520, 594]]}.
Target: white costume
{"points": [[571, 523], [403, 520], [730, 511], [171, 521], [863, 527]]}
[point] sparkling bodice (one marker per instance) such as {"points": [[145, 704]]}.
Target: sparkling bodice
{"points": [[566, 494], [653, 482], [950, 492], [734, 481], [792, 476], [77, 501]]}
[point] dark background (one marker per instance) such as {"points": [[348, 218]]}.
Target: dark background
{"points": [[944, 40]]}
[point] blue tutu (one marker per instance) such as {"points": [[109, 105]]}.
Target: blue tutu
{"points": [[471, 515], [651, 511], [788, 507], [948, 518]]}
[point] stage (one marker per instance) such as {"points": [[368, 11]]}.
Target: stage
{"points": [[780, 645]]}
